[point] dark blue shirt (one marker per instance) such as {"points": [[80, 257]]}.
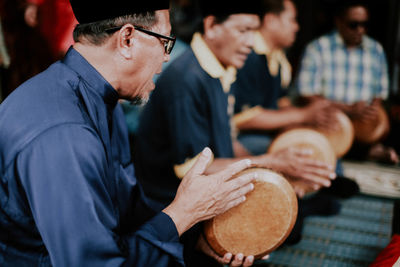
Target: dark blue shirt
{"points": [[255, 86], [186, 112], [68, 193]]}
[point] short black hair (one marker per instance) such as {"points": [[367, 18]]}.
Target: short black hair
{"points": [[273, 6], [95, 32], [345, 5]]}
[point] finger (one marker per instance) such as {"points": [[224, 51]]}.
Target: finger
{"points": [[301, 152], [206, 249], [317, 164], [241, 181], [266, 257], [320, 171], [232, 203], [237, 260], [316, 179], [233, 169], [226, 259], [249, 260], [201, 163], [240, 192]]}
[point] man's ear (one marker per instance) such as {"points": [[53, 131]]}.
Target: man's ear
{"points": [[209, 29], [125, 40]]}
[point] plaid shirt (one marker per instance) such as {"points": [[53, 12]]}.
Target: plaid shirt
{"points": [[330, 69]]}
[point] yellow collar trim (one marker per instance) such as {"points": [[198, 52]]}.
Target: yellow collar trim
{"points": [[276, 59], [211, 64]]}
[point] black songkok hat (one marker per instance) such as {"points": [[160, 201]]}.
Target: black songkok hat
{"points": [[87, 11], [230, 7]]}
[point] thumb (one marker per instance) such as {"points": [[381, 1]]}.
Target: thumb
{"points": [[201, 163]]}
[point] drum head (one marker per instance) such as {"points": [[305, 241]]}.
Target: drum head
{"points": [[305, 138], [258, 225], [372, 131], [342, 138]]}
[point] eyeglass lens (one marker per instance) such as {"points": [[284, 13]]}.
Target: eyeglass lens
{"points": [[169, 45], [355, 24]]}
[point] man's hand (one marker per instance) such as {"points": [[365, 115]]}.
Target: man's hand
{"points": [[364, 112], [320, 114], [296, 163], [228, 258], [201, 197]]}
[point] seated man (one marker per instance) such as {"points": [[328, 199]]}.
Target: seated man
{"points": [[262, 82], [349, 69], [68, 191], [191, 109]]}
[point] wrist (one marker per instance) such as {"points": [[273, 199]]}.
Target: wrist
{"points": [[182, 220]]}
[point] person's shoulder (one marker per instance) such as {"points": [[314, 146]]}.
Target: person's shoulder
{"points": [[41, 103], [321, 42], [182, 75], [372, 44]]}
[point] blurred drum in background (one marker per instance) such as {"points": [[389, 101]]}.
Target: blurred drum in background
{"points": [[305, 138], [341, 135], [372, 131]]}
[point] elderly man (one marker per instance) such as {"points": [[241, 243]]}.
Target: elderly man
{"points": [[69, 196]]}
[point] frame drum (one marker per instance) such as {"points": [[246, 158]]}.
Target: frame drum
{"points": [[372, 131], [305, 138], [258, 225], [342, 138]]}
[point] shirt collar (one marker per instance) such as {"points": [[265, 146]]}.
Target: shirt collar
{"points": [[211, 64], [260, 46], [277, 60], [91, 76]]}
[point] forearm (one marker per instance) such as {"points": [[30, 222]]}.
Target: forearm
{"points": [[273, 119]]}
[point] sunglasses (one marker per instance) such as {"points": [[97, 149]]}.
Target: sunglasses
{"points": [[355, 24], [169, 41]]}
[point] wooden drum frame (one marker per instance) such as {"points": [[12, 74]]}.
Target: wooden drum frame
{"points": [[308, 139], [305, 138], [342, 138], [372, 131], [261, 223]]}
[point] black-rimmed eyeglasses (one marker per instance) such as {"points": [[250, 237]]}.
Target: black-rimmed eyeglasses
{"points": [[169, 41]]}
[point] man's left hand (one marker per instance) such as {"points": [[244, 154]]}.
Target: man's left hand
{"points": [[228, 258]]}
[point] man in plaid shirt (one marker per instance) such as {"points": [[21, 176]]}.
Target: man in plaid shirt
{"points": [[349, 68]]}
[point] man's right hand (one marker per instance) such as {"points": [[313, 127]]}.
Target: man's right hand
{"points": [[201, 197], [295, 163]]}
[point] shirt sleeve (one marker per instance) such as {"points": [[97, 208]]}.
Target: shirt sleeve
{"points": [[64, 175], [309, 78]]}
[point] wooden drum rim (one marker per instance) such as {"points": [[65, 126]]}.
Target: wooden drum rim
{"points": [[370, 133], [234, 231], [341, 139], [299, 136]]}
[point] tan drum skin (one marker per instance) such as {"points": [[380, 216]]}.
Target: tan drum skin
{"points": [[372, 131], [305, 138], [308, 139], [342, 137], [261, 223]]}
